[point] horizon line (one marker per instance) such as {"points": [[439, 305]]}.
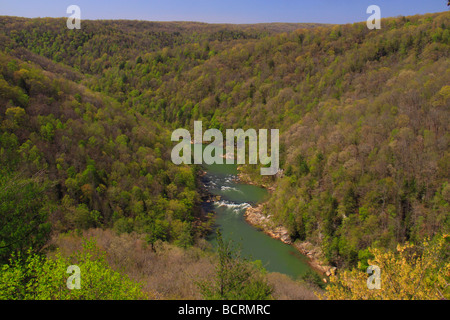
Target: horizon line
{"points": [[225, 23]]}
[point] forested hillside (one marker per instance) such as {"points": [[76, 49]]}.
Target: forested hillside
{"points": [[86, 118], [102, 165], [68, 112]]}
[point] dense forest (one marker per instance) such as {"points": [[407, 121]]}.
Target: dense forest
{"points": [[86, 118]]}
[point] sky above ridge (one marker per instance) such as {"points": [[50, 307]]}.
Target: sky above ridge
{"points": [[221, 11]]}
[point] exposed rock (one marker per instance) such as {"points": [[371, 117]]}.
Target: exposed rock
{"points": [[315, 255], [243, 177], [255, 217]]}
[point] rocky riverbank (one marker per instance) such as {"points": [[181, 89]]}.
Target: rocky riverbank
{"points": [[245, 178], [256, 218]]}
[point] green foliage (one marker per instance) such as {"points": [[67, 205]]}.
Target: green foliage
{"points": [[40, 278], [86, 144]]}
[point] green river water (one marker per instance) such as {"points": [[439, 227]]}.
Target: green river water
{"points": [[229, 211]]}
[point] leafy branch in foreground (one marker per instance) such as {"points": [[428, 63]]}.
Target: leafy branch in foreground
{"points": [[39, 278], [413, 272]]}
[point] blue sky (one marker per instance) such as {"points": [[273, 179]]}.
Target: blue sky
{"points": [[221, 11]]}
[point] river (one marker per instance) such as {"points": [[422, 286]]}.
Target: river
{"points": [[276, 256]]}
